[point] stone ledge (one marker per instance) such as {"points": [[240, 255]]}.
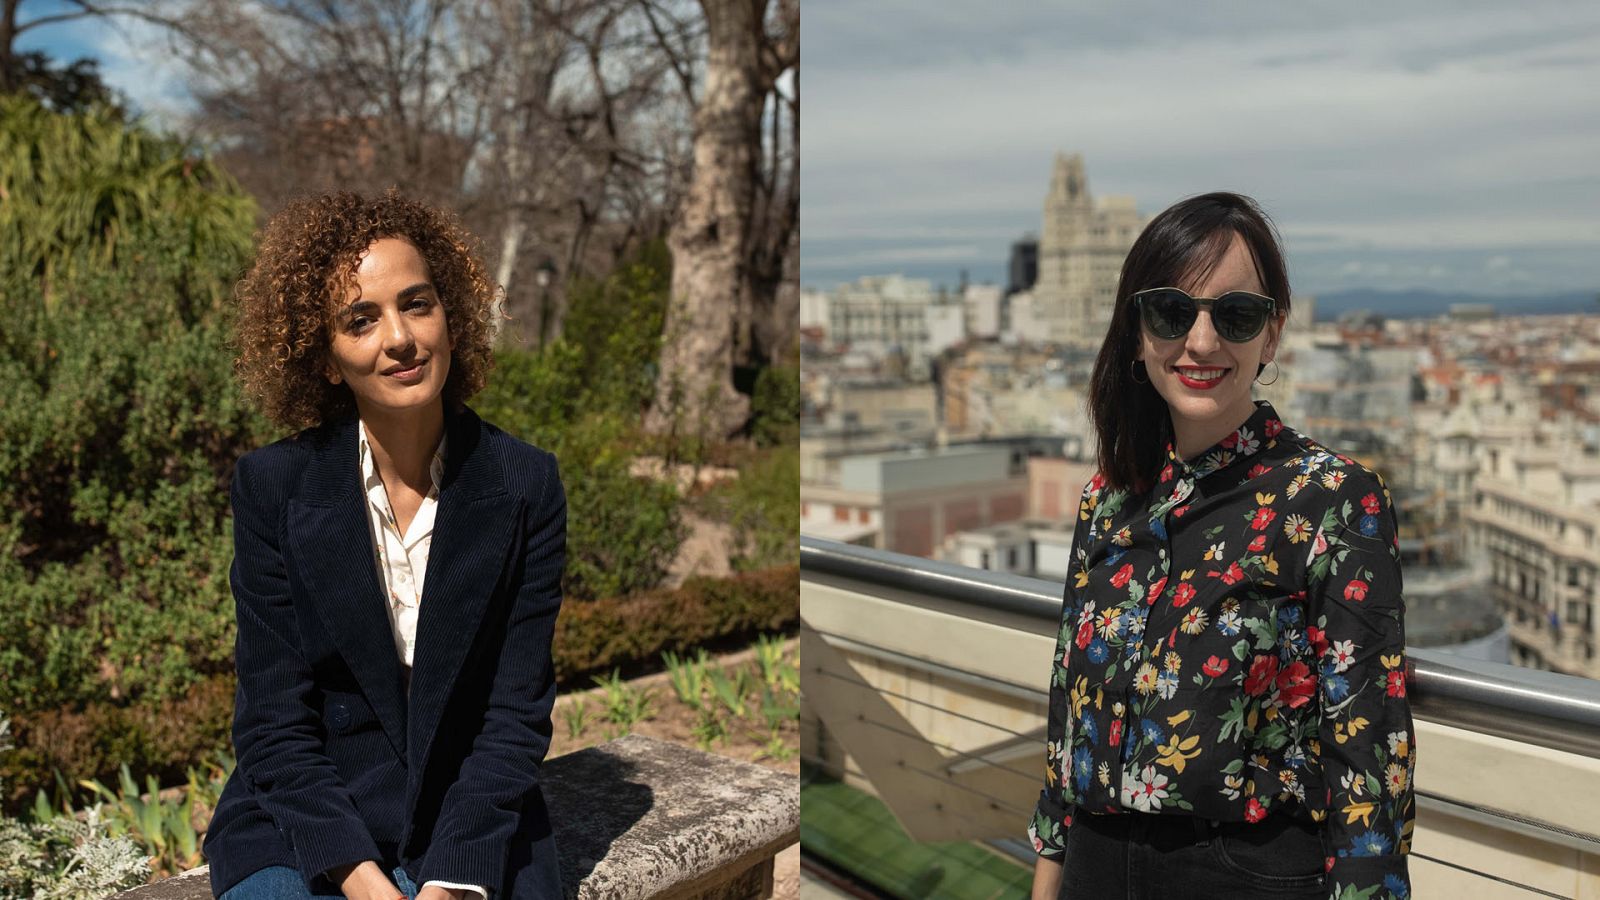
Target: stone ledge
{"points": [[638, 817]]}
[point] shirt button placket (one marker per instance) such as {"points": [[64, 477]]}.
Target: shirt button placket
{"points": [[1180, 492]]}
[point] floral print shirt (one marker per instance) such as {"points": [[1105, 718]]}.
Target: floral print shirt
{"points": [[1232, 644]]}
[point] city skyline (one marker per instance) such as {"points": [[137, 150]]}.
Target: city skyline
{"points": [[1423, 149]]}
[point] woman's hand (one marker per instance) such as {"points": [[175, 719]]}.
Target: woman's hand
{"points": [[434, 892], [365, 881]]}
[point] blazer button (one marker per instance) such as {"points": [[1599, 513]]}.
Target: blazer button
{"points": [[339, 716]]}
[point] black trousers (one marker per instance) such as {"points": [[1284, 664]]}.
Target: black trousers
{"points": [[1142, 856]]}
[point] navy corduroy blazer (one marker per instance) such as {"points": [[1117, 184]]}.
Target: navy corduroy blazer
{"points": [[335, 764]]}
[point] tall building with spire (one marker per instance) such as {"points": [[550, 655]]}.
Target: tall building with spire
{"points": [[1081, 249]]}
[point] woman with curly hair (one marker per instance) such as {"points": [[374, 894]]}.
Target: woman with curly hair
{"points": [[396, 577]]}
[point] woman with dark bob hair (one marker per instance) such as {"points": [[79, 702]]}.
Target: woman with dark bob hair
{"points": [[396, 577], [1228, 713]]}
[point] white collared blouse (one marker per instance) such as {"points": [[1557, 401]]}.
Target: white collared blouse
{"points": [[402, 558], [403, 565]]}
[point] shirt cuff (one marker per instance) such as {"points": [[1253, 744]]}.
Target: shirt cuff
{"points": [[451, 885], [1048, 830], [1382, 877]]}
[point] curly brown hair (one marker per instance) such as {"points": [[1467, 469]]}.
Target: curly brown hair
{"points": [[306, 258]]}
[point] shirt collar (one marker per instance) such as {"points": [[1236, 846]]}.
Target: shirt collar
{"points": [[369, 467], [1259, 431]]}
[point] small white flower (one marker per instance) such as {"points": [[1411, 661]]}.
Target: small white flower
{"points": [[1343, 654], [1247, 441], [1167, 685], [1146, 792], [1229, 623]]}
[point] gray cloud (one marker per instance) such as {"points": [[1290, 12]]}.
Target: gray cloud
{"points": [[1424, 130]]}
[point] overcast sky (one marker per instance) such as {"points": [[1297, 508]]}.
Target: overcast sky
{"points": [[1435, 145]]}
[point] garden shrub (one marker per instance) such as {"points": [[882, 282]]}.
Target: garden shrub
{"points": [[616, 325], [622, 531], [78, 188], [63, 858], [121, 417], [775, 408], [160, 738], [762, 508], [632, 632], [122, 423]]}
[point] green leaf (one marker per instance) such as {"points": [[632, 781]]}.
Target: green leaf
{"points": [[1265, 630], [1233, 720]]}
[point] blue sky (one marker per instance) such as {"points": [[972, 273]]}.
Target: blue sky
{"points": [[132, 55], [1452, 146]]}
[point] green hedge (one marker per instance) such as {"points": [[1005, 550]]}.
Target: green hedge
{"points": [[166, 737], [159, 738], [632, 632]]}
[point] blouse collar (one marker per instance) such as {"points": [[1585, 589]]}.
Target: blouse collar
{"points": [[1248, 439], [369, 469]]}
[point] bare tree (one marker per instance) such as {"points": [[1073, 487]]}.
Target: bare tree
{"points": [[723, 270], [527, 47], [582, 147], [547, 124], [314, 94], [542, 122]]}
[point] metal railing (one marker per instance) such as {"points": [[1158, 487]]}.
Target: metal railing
{"points": [[1545, 709], [932, 732]]}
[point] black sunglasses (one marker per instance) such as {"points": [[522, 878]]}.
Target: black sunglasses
{"points": [[1169, 313]]}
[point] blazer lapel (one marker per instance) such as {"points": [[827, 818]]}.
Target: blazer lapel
{"points": [[477, 518], [331, 545]]}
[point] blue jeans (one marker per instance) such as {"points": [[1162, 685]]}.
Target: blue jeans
{"points": [[284, 883], [1142, 856]]}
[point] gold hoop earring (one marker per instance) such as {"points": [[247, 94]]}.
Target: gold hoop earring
{"points": [[1276, 371], [1133, 372]]}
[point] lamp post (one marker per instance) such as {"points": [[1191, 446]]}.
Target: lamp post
{"points": [[542, 276]]}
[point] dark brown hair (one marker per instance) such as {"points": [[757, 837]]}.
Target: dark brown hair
{"points": [[1178, 248], [307, 256]]}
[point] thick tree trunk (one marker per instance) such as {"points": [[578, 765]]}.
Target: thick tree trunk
{"points": [[709, 236]]}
